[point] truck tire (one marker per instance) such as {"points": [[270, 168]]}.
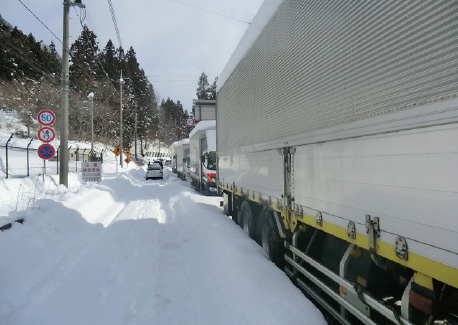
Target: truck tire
{"points": [[259, 226], [247, 220], [270, 239]]}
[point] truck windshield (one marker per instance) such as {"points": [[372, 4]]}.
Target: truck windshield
{"points": [[210, 160]]}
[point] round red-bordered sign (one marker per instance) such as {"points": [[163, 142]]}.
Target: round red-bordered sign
{"points": [[46, 151], [46, 134], [189, 121], [46, 117]]}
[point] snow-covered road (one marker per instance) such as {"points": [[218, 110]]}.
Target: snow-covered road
{"points": [[130, 251]]}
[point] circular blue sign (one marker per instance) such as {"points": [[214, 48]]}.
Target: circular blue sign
{"points": [[46, 151]]}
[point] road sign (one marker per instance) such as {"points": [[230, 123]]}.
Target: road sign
{"points": [[127, 160], [189, 121], [127, 152], [46, 118], [46, 134], [117, 151], [46, 151], [91, 171]]}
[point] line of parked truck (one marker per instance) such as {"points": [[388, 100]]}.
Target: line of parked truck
{"points": [[335, 147], [194, 159]]}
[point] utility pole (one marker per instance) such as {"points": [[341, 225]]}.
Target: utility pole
{"points": [[63, 177], [121, 81], [135, 120], [91, 100], [135, 102]]}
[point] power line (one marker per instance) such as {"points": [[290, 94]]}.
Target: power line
{"points": [[211, 11], [40, 21], [114, 22], [31, 61], [173, 80], [81, 19], [35, 64], [174, 75], [117, 33]]}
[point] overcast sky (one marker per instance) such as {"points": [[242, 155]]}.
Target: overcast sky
{"points": [[175, 40]]}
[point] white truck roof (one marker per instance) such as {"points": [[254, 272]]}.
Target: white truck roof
{"points": [[265, 13], [179, 143], [202, 126]]}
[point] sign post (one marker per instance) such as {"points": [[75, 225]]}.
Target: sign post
{"points": [[116, 151]]}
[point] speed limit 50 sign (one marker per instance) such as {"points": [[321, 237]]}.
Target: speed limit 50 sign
{"points": [[46, 117]]}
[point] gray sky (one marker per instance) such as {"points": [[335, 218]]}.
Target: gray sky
{"points": [[174, 40]]}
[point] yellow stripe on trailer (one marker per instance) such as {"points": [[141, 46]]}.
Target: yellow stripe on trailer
{"points": [[424, 267], [418, 263]]}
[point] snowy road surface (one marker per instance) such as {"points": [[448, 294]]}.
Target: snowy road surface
{"points": [[130, 251]]}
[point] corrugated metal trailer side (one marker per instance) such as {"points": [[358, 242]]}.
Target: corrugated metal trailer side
{"points": [[195, 153], [339, 124], [182, 152]]}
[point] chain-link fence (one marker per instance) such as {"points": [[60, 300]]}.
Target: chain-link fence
{"points": [[20, 159]]}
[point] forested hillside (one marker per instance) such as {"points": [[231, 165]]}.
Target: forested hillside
{"points": [[30, 81]]}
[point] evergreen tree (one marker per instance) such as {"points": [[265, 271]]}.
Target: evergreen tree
{"points": [[204, 90], [51, 60], [141, 106], [109, 60], [203, 87], [212, 90], [30, 80], [84, 67], [7, 62], [22, 65], [172, 118]]}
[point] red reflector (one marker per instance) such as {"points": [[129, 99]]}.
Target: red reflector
{"points": [[420, 302]]}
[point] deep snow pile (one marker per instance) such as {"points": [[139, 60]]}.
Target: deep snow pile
{"points": [[130, 251]]}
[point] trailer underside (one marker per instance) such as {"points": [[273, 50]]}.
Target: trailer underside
{"points": [[351, 284]]}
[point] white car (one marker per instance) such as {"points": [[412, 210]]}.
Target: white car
{"points": [[154, 171]]}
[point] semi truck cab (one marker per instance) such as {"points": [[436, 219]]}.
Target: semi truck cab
{"points": [[209, 185]]}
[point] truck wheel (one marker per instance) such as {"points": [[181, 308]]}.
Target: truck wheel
{"points": [[247, 221], [259, 226], [271, 240]]}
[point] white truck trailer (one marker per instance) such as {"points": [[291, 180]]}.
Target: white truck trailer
{"points": [[337, 141], [181, 158], [202, 169]]}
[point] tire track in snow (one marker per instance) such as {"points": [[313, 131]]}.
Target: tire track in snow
{"points": [[210, 305], [115, 262]]}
